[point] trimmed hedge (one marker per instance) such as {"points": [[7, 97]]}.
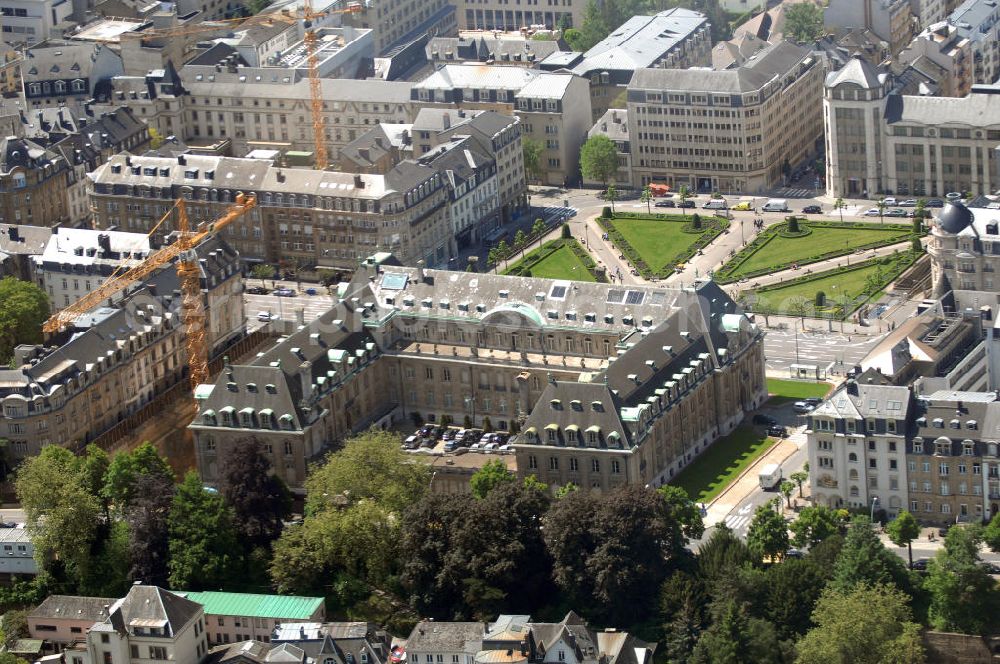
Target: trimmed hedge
{"points": [[711, 228], [727, 274], [897, 264], [523, 267]]}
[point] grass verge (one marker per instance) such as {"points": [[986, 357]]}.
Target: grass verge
{"points": [[722, 462], [796, 389], [556, 259]]}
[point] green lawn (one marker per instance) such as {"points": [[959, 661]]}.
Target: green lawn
{"points": [[658, 241], [796, 389], [560, 264], [719, 465], [783, 250], [775, 299]]}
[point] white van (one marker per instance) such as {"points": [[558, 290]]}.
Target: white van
{"points": [[716, 204], [776, 205], [770, 476]]}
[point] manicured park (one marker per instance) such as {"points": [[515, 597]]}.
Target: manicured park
{"points": [[555, 259], [657, 243], [775, 249], [796, 389], [722, 462], [859, 283]]}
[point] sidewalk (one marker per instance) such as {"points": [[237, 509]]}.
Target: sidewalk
{"points": [[747, 482]]}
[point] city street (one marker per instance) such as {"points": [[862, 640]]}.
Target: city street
{"points": [[783, 348]]}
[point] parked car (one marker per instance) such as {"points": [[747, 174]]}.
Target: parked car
{"points": [[285, 292], [715, 204], [486, 439], [311, 291], [777, 431], [896, 212], [664, 204], [257, 290], [909, 202], [794, 553], [427, 443], [920, 564], [265, 317], [871, 212], [761, 418], [449, 434], [935, 203], [802, 407], [412, 442], [450, 446], [685, 204], [506, 449], [743, 205], [889, 200], [490, 447], [812, 209], [477, 447]]}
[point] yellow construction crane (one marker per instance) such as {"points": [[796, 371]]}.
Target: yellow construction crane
{"points": [[188, 271], [308, 15]]}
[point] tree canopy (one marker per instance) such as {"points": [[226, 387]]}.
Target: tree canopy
{"points": [[258, 498], [202, 540], [804, 22], [599, 159], [23, 308], [767, 535], [862, 625], [964, 598], [815, 524], [532, 150], [864, 559]]}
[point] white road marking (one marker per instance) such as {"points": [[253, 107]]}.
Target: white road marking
{"points": [[736, 523]]}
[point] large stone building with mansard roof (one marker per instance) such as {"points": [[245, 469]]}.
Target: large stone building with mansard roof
{"points": [[605, 384]]}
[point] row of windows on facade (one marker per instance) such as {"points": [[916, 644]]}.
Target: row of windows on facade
{"points": [[574, 465], [208, 444], [59, 87], [945, 508]]}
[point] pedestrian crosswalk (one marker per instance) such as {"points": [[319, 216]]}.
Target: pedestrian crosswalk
{"points": [[737, 523], [796, 192]]}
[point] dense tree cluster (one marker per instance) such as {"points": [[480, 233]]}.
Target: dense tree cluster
{"points": [[100, 522]]}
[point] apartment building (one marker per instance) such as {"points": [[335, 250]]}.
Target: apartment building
{"points": [[254, 112], [858, 446], [27, 22], [979, 22], [10, 67], [726, 130], [149, 623], [78, 260], [495, 135], [879, 141], [519, 640], [66, 73], [965, 248], [33, 184], [396, 23], [358, 642], [891, 20], [945, 55], [62, 620], [508, 48], [501, 15], [554, 108], [116, 360], [303, 217], [677, 38], [640, 380], [236, 617]]}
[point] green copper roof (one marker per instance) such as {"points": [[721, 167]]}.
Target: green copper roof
{"points": [[289, 607]]}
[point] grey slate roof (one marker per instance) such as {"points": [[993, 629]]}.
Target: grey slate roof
{"points": [[857, 71], [974, 18], [152, 603], [641, 41], [428, 636], [981, 107], [72, 607], [486, 48], [347, 90], [760, 68]]}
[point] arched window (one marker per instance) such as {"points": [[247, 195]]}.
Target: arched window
{"points": [[854, 492], [852, 457]]}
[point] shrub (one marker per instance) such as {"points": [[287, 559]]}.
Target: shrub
{"points": [[526, 273], [696, 220], [606, 212], [793, 224], [820, 298], [566, 234], [467, 422], [916, 247], [487, 424]]}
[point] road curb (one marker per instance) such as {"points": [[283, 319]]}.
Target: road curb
{"points": [[747, 470]]}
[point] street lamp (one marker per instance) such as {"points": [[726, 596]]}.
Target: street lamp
{"points": [[874, 505]]}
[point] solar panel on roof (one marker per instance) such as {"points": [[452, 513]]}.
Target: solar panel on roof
{"points": [[616, 296], [635, 297], [558, 291], [394, 281]]}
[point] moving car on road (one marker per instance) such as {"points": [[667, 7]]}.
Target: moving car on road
{"points": [[664, 204], [742, 205], [812, 209], [285, 292]]}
